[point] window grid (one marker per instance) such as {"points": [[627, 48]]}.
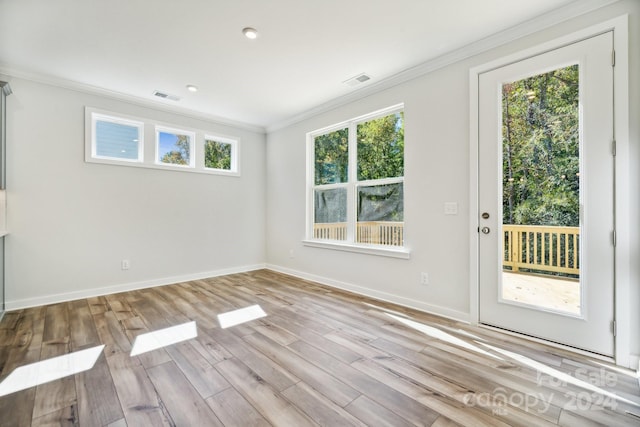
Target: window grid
{"points": [[352, 185]]}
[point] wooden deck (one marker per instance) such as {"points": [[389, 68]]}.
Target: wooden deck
{"points": [[543, 291], [319, 357]]}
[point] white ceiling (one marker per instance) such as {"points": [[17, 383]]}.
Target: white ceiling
{"points": [[306, 49]]}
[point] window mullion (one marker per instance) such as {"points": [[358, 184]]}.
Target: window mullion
{"points": [[353, 178]]}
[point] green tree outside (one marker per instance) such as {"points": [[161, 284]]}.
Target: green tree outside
{"points": [[331, 164], [380, 154], [381, 148], [217, 155], [541, 147], [181, 155]]}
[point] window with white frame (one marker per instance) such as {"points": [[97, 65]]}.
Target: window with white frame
{"points": [[220, 153], [116, 138], [174, 147], [119, 139], [356, 188]]}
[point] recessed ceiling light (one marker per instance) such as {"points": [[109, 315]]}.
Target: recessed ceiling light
{"points": [[192, 88], [250, 33]]}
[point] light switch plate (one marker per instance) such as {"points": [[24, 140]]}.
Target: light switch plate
{"points": [[451, 208]]}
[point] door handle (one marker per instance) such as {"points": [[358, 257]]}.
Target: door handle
{"points": [[485, 230]]}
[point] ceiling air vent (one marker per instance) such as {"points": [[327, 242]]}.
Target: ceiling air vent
{"points": [[165, 95], [359, 79]]}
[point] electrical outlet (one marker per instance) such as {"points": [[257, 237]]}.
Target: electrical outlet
{"points": [[125, 264], [424, 278], [291, 253]]}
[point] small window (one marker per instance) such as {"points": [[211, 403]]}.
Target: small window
{"points": [[220, 153], [118, 139], [115, 138], [174, 147]]}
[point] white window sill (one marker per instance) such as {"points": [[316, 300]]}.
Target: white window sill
{"points": [[393, 252]]}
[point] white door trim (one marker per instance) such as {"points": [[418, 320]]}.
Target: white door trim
{"points": [[622, 173]]}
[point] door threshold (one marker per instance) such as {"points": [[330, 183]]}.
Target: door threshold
{"points": [[554, 344]]}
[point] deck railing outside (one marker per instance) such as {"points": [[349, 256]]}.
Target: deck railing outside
{"points": [[330, 231], [545, 249], [536, 248], [389, 233]]}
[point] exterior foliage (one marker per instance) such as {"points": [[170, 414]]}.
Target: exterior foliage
{"points": [[332, 157], [541, 147], [380, 151], [217, 155], [380, 155], [179, 156], [381, 148]]}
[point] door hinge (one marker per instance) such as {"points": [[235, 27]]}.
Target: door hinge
{"points": [[614, 328], [614, 148], [614, 237], [613, 58]]}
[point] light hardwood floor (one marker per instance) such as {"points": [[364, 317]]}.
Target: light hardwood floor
{"points": [[320, 357]]}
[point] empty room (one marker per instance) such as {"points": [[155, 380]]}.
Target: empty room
{"points": [[329, 213]]}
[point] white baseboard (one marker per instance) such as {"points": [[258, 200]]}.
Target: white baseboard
{"points": [[94, 292], [383, 296]]}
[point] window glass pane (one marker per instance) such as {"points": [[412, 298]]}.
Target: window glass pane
{"points": [[381, 148], [174, 148], [217, 155], [330, 215], [332, 157], [541, 201], [116, 140], [541, 149], [381, 214]]}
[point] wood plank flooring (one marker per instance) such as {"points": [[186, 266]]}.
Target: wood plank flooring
{"points": [[320, 357]]}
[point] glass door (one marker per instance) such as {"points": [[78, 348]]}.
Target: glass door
{"points": [[546, 196]]}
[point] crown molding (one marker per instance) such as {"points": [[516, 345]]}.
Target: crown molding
{"points": [[555, 17], [130, 99]]}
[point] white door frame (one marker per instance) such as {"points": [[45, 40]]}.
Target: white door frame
{"points": [[622, 172]]}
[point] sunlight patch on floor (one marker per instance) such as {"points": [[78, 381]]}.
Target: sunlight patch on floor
{"points": [[236, 317], [163, 337], [441, 335], [50, 370]]}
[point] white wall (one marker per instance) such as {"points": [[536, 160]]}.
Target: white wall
{"points": [[436, 165], [71, 223], [436, 172]]}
